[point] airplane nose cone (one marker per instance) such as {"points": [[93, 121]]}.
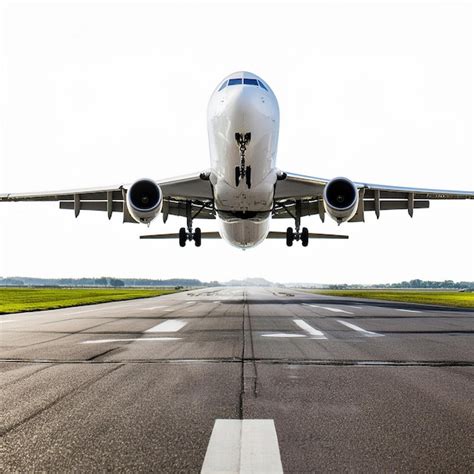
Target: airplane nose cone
{"points": [[245, 101]]}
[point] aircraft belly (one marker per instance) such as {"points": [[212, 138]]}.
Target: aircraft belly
{"points": [[244, 233]]}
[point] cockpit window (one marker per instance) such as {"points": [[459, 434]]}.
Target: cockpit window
{"points": [[251, 82], [234, 82], [223, 85], [262, 85]]}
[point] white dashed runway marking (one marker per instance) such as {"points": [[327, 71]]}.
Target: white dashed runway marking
{"points": [[153, 307], [309, 329], [143, 339], [171, 325], [334, 310], [243, 446], [358, 329]]}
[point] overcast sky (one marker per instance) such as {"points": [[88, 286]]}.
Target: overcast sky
{"points": [[106, 93]]}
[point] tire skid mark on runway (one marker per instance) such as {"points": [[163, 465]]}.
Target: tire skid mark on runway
{"points": [[24, 377], [86, 384]]}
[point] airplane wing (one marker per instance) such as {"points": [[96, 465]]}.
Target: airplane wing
{"points": [[194, 188], [307, 191]]}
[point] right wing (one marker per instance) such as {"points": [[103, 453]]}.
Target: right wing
{"points": [[307, 191], [195, 189]]}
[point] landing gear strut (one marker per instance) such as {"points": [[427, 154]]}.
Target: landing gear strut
{"points": [[188, 234], [243, 171], [302, 236]]}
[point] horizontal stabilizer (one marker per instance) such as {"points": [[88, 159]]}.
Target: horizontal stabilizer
{"points": [[282, 235], [204, 235]]}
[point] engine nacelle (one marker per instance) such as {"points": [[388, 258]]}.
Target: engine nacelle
{"points": [[144, 200], [341, 199]]}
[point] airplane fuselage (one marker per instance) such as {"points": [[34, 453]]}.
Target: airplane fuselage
{"points": [[243, 124]]}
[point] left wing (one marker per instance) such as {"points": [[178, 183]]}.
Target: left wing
{"points": [[195, 189], [307, 193]]}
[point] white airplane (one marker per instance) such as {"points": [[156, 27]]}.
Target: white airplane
{"points": [[243, 188]]}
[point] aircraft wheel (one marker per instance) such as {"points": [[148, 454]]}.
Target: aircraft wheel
{"points": [[197, 237], [289, 236], [237, 176], [305, 236], [182, 237]]}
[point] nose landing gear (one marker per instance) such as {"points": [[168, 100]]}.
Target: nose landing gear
{"points": [[243, 171]]}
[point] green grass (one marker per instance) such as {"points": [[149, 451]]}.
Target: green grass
{"points": [[443, 298], [15, 300]]}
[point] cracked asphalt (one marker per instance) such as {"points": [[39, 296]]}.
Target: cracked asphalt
{"points": [[351, 384]]}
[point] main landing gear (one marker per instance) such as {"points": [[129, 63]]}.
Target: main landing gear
{"points": [[187, 234], [302, 236], [243, 171]]}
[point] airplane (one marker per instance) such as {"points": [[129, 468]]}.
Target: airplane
{"points": [[243, 188]]}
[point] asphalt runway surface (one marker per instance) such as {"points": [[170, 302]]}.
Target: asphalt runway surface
{"points": [[321, 384]]}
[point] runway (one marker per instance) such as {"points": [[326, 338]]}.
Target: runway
{"points": [[334, 384]]}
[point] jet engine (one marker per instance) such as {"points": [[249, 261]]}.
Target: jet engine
{"points": [[341, 199], [144, 200]]}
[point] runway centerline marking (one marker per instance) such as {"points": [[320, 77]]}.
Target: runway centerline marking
{"points": [[334, 310], [358, 329], [309, 329], [408, 310], [243, 446], [282, 334], [172, 325], [143, 339]]}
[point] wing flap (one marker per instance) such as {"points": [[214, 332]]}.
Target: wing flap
{"points": [[204, 235], [312, 235]]}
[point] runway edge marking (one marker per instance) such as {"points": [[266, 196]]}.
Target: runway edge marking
{"points": [[243, 446]]}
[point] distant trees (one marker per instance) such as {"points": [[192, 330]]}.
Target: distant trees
{"points": [[415, 284]]}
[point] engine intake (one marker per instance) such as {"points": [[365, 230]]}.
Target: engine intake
{"points": [[341, 199], [144, 200]]}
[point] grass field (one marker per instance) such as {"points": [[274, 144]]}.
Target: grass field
{"points": [[15, 300], [443, 298]]}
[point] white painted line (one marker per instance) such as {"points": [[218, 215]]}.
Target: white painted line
{"points": [[334, 310], [309, 329], [7, 321], [282, 334], [243, 446], [152, 308], [143, 339], [358, 329], [408, 310], [172, 325]]}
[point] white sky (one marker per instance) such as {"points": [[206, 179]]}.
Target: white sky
{"points": [[106, 93]]}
